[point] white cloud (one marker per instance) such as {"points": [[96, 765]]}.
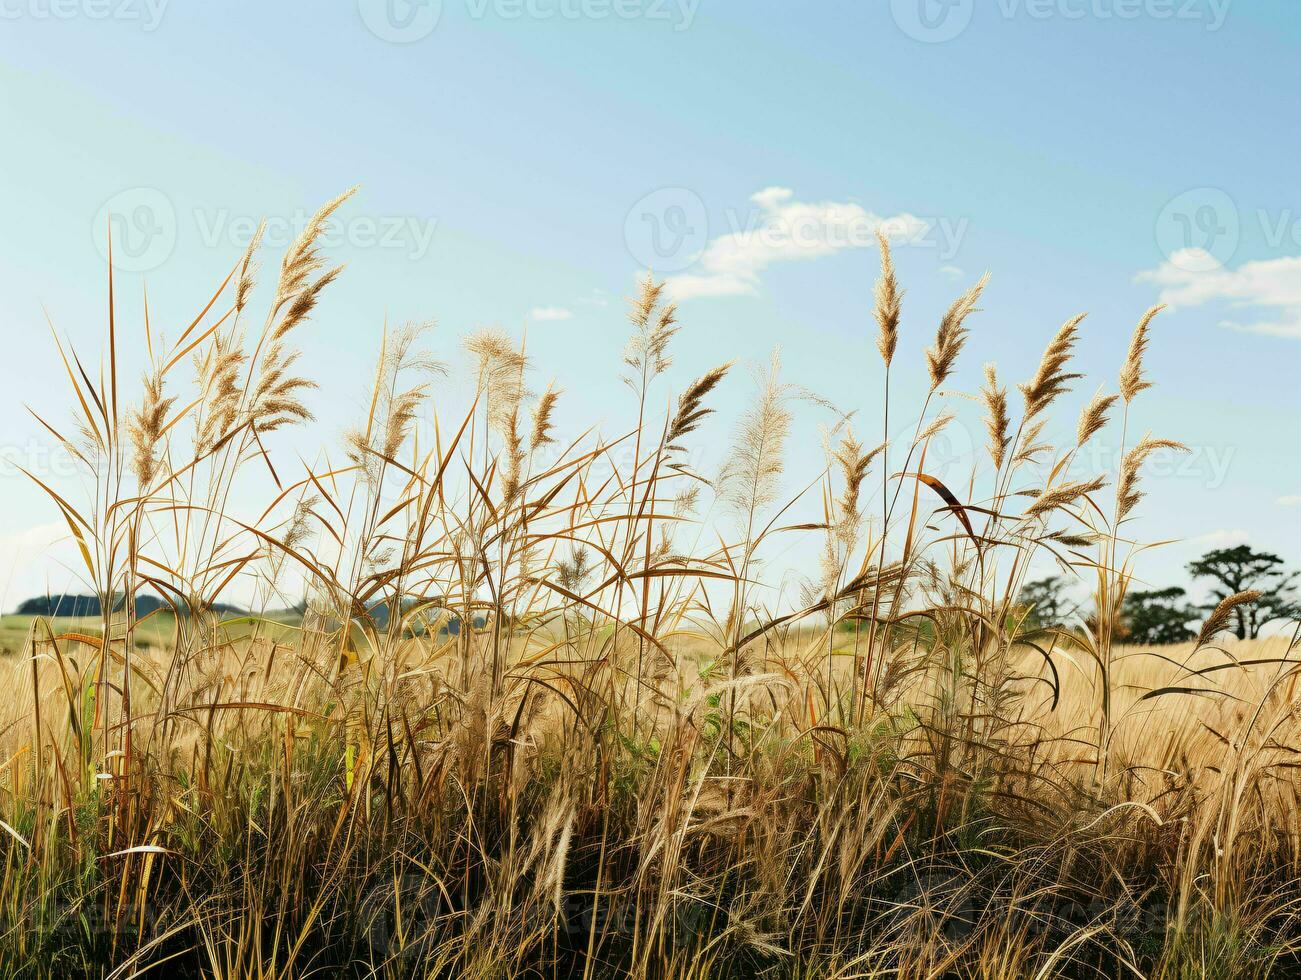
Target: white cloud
{"points": [[541, 313], [952, 271], [1290, 500], [1223, 538], [1193, 277], [787, 230]]}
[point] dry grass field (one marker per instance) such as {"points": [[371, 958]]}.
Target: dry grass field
{"points": [[539, 719]]}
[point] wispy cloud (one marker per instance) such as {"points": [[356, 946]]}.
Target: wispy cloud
{"points": [[786, 230], [541, 313], [1289, 500], [1267, 291], [33, 560], [1222, 538]]}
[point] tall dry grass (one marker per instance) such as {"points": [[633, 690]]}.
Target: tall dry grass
{"points": [[539, 718]]}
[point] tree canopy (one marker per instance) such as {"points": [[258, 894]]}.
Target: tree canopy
{"points": [[1240, 569]]}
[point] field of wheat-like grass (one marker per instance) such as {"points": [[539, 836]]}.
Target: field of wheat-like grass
{"points": [[540, 716]]}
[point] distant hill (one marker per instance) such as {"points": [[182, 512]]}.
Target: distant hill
{"points": [[65, 604]]}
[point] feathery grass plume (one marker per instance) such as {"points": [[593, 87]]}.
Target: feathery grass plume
{"points": [[1063, 495], [854, 466], [297, 290], [401, 355], [996, 420], [937, 425], [573, 572], [514, 450], [1029, 446], [1127, 493], [751, 476], [690, 408], [542, 418], [853, 469], [1050, 380], [1131, 373], [219, 382], [686, 500], [248, 271], [394, 409], [952, 334], [145, 428], [1094, 417], [1218, 620], [500, 370], [401, 352], [889, 300], [401, 416], [357, 448], [654, 325], [1072, 540], [296, 531], [276, 398]]}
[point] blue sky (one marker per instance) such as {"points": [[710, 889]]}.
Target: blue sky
{"points": [[520, 161]]}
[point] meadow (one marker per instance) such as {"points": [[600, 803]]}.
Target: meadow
{"points": [[542, 718]]}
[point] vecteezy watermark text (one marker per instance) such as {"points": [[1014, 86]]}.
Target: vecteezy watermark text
{"points": [[406, 21], [147, 13], [936, 21], [407, 233], [145, 226], [669, 230]]}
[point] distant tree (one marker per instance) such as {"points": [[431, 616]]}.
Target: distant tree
{"points": [[1047, 602], [1159, 616], [1239, 569]]}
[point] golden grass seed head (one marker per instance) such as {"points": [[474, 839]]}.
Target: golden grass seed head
{"points": [[1131, 373], [1218, 620], [997, 422], [1127, 493], [1093, 417], [1051, 378], [889, 301], [952, 334]]}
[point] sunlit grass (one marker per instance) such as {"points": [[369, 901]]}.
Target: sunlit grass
{"points": [[542, 715]]}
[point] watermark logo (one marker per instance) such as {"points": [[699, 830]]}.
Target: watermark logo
{"points": [[1198, 230], [667, 229], [142, 222], [400, 21], [932, 21]]}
